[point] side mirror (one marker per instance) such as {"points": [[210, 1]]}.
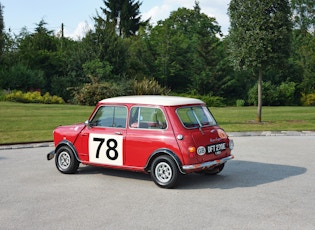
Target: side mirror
{"points": [[87, 123]]}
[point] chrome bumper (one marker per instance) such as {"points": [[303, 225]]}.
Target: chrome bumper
{"points": [[206, 165]]}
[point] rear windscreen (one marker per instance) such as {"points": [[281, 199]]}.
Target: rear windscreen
{"points": [[195, 116]]}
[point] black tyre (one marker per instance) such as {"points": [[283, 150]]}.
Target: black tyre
{"points": [[65, 160], [164, 172], [215, 170]]}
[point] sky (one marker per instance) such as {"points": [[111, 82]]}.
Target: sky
{"points": [[76, 15]]}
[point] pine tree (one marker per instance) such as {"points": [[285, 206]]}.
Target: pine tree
{"points": [[125, 14]]}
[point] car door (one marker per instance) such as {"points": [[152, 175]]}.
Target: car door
{"points": [[102, 140], [148, 132]]}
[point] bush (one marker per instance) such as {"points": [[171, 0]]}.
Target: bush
{"points": [[240, 102], [272, 94], [33, 97], [213, 101], [90, 94], [21, 77], [149, 87], [308, 99]]}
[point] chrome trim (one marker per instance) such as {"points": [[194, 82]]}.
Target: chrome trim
{"points": [[207, 164]]}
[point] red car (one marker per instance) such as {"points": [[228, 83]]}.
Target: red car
{"points": [[165, 136]]}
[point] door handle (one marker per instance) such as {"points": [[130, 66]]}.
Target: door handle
{"points": [[118, 133]]}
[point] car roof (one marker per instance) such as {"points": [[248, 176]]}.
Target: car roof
{"points": [[153, 100]]}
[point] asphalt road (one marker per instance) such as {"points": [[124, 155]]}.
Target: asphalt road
{"points": [[269, 185]]}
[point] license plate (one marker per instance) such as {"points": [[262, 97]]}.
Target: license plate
{"points": [[216, 148]]}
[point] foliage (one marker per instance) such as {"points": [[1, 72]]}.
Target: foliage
{"points": [[240, 102], [184, 47], [213, 101], [33, 97], [304, 14], [184, 53], [283, 94], [20, 77], [303, 57], [259, 37], [308, 99], [90, 94], [148, 87], [125, 14], [2, 37]]}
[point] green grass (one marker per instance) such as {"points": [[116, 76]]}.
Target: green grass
{"points": [[35, 122], [274, 118]]}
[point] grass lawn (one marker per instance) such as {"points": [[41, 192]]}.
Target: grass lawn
{"points": [[274, 118], [35, 122]]}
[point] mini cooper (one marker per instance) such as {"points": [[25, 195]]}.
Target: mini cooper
{"points": [[164, 136]]}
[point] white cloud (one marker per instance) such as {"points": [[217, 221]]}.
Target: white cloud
{"points": [[157, 13], [213, 8], [79, 32]]}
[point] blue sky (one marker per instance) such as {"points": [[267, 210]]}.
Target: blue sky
{"points": [[76, 14]]}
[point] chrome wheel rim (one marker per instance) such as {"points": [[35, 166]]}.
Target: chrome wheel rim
{"points": [[163, 172], [64, 160]]}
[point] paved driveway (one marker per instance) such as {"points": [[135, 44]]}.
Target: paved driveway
{"points": [[269, 185]]}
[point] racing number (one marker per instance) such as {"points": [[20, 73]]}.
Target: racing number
{"points": [[111, 151], [106, 149]]}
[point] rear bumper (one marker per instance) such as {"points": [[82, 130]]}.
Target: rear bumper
{"points": [[206, 165]]}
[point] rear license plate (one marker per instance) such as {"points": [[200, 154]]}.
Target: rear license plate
{"points": [[216, 148]]}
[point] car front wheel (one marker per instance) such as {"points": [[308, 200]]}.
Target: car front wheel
{"points": [[65, 160], [164, 172]]}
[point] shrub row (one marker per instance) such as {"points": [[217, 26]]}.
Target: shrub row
{"points": [[32, 97]]}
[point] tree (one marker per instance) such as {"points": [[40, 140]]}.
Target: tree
{"points": [[259, 37], [304, 14], [2, 36], [185, 47], [105, 45], [39, 51], [125, 14]]}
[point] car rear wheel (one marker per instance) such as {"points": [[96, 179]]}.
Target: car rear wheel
{"points": [[164, 172], [65, 160]]}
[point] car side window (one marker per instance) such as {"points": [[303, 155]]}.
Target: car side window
{"points": [[110, 116], [147, 118]]}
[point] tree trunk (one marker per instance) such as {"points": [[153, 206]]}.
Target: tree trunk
{"points": [[259, 108]]}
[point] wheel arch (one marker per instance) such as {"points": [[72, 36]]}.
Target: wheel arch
{"points": [[165, 152], [70, 145]]}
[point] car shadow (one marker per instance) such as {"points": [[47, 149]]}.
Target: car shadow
{"points": [[236, 174], [239, 173], [86, 169]]}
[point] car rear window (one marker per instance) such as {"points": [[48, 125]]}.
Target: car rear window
{"points": [[195, 116], [147, 118]]}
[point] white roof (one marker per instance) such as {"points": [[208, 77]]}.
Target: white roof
{"points": [[153, 100]]}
